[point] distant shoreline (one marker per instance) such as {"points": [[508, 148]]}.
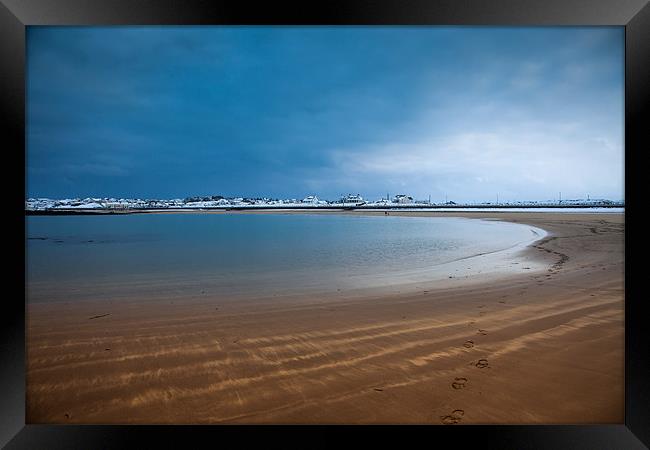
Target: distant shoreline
{"points": [[445, 208]]}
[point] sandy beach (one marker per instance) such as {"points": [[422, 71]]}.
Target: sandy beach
{"points": [[545, 347]]}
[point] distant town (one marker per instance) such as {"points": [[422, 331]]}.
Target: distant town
{"points": [[350, 201]]}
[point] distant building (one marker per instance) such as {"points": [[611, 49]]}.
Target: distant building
{"points": [[116, 205], [356, 199], [403, 199], [311, 199]]}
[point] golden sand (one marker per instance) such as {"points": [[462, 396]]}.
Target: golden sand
{"points": [[545, 347]]}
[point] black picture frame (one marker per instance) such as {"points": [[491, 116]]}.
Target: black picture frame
{"points": [[15, 15]]}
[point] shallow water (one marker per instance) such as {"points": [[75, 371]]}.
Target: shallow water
{"points": [[71, 257]]}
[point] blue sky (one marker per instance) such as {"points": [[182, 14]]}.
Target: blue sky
{"points": [[467, 112]]}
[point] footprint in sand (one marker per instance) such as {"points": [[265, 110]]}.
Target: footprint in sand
{"points": [[459, 383], [481, 332], [453, 418], [468, 344], [482, 363]]}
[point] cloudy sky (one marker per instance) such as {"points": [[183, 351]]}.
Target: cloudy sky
{"points": [[464, 112]]}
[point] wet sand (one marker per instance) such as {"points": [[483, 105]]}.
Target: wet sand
{"points": [[540, 347]]}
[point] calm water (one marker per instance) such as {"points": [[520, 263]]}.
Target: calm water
{"points": [[79, 256]]}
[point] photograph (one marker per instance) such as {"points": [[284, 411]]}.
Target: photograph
{"points": [[320, 225]]}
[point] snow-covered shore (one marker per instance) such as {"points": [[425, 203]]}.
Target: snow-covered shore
{"points": [[217, 202]]}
